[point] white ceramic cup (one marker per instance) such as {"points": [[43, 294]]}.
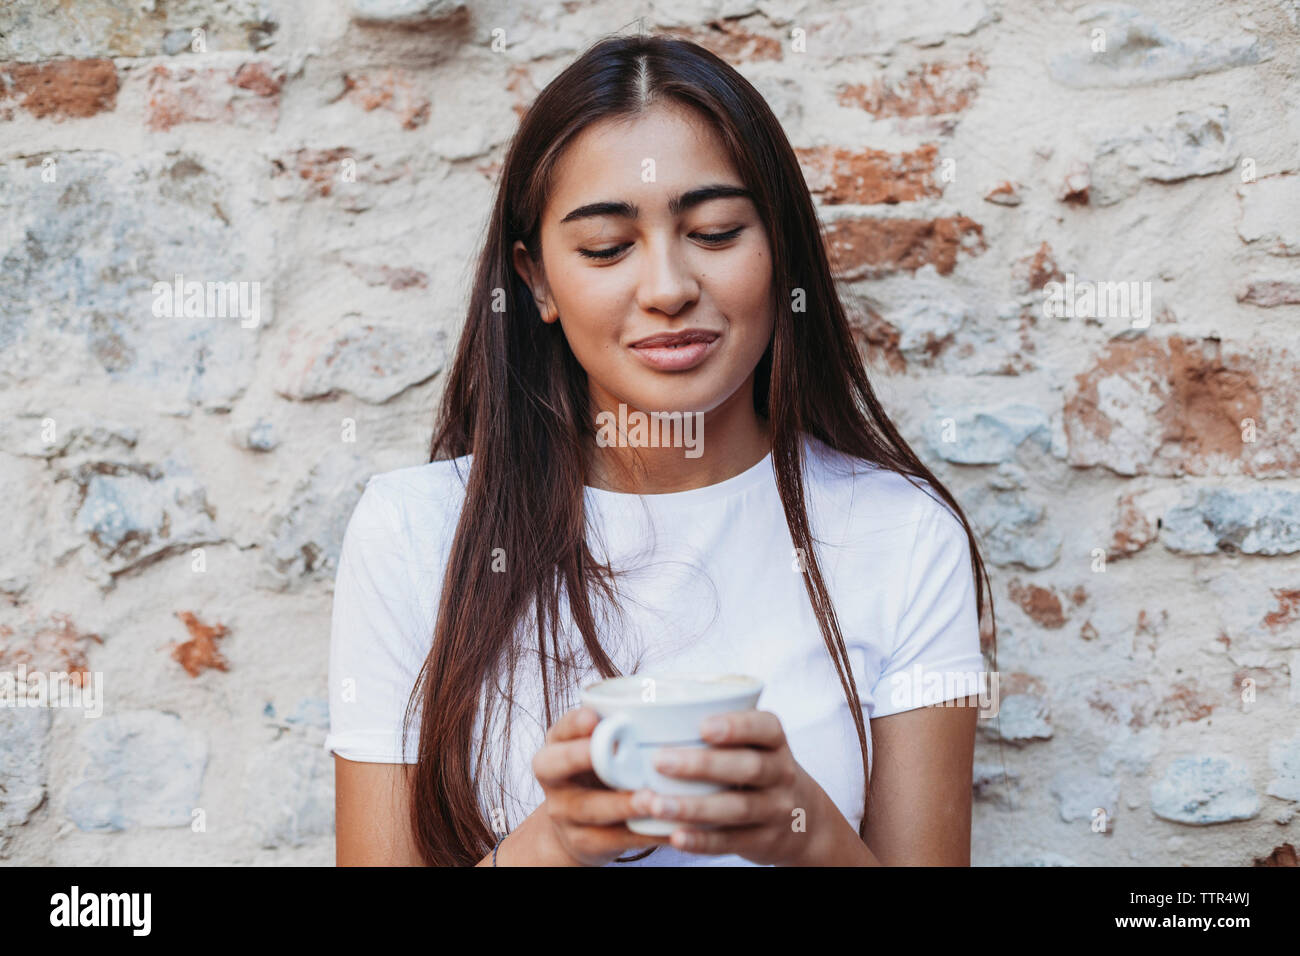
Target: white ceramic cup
{"points": [[641, 713]]}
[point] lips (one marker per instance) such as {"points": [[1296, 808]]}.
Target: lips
{"points": [[672, 340], [675, 351]]}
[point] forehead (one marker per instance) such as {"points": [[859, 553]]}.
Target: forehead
{"points": [[608, 160]]}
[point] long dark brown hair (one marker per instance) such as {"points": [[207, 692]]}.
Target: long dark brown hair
{"points": [[517, 400]]}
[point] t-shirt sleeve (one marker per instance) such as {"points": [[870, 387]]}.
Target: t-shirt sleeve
{"points": [[936, 655], [377, 636]]}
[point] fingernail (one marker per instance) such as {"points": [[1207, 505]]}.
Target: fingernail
{"points": [[665, 807], [714, 728], [642, 801], [668, 761]]}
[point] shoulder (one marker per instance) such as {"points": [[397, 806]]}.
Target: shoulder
{"points": [[401, 529], [867, 495], [422, 498]]}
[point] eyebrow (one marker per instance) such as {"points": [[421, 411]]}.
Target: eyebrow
{"points": [[676, 204]]}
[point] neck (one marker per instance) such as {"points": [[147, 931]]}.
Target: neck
{"points": [[723, 443]]}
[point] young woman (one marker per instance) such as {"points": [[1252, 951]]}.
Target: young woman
{"points": [[653, 248]]}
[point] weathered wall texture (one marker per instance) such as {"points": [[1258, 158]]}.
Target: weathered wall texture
{"points": [[177, 485]]}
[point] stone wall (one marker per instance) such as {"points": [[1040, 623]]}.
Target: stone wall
{"points": [[1070, 237]]}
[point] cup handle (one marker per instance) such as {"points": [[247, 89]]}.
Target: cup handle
{"points": [[620, 770]]}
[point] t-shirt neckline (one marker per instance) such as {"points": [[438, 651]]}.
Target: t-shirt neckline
{"points": [[743, 481]]}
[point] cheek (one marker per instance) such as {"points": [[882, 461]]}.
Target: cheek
{"points": [[588, 291], [589, 311], [745, 288]]}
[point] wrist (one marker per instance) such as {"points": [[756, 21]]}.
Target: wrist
{"points": [[534, 843], [830, 839]]}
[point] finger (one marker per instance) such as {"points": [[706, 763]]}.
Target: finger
{"points": [[727, 808], [556, 763], [738, 840], [579, 722], [579, 807], [757, 728], [611, 839], [733, 766]]}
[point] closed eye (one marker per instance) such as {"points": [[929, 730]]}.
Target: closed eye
{"points": [[709, 238], [715, 237]]}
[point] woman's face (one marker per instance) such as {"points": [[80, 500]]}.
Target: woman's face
{"points": [[624, 260]]}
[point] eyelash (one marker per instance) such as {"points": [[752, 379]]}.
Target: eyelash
{"points": [[706, 236]]}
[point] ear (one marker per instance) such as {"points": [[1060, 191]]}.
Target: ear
{"points": [[535, 277]]}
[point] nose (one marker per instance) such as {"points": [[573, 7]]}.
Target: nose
{"points": [[667, 283]]}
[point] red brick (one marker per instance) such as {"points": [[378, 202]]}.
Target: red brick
{"points": [[200, 652], [393, 90], [1268, 293], [933, 89], [1041, 604], [877, 340], [1135, 703], [1035, 271], [867, 248], [1133, 529], [1004, 193], [731, 41], [319, 167], [1288, 609], [258, 78], [1175, 407], [867, 176], [1283, 855], [1075, 183], [318, 171], [1183, 703], [61, 88], [184, 94], [49, 644]]}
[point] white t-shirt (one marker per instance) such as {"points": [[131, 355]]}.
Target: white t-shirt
{"points": [[720, 592]]}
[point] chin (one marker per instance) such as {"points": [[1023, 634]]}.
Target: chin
{"points": [[673, 399]]}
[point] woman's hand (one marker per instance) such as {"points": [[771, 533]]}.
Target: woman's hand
{"points": [[581, 822], [782, 816]]}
